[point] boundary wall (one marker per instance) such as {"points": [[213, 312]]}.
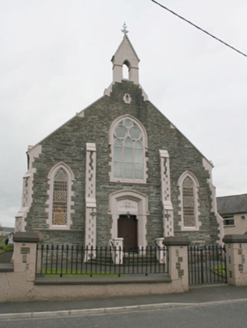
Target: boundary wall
{"points": [[22, 285]]}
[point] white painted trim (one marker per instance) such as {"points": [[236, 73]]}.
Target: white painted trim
{"points": [[145, 145], [196, 201], [33, 153], [141, 212], [168, 221], [90, 197], [144, 95], [108, 91], [49, 202], [20, 219], [81, 114], [208, 167], [126, 98], [91, 146], [163, 153], [27, 189]]}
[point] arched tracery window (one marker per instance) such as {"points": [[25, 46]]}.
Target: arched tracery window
{"points": [[128, 147]]}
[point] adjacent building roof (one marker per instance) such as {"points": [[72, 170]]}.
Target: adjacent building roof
{"points": [[232, 204], [6, 229]]}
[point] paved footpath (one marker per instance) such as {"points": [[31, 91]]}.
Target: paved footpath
{"points": [[200, 295]]}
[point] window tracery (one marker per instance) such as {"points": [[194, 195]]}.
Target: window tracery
{"points": [[128, 140]]}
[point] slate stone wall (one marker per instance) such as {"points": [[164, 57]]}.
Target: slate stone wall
{"points": [[68, 145]]}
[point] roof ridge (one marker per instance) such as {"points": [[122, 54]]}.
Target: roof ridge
{"points": [[232, 196]]}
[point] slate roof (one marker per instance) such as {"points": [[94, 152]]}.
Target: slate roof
{"points": [[6, 231], [232, 204]]}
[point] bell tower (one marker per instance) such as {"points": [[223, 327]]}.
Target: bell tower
{"points": [[125, 55]]}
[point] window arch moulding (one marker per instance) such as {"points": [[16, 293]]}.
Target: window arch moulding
{"points": [[60, 181], [128, 143], [189, 203]]}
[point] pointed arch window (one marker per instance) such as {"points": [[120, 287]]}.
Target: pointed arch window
{"points": [[188, 186], [128, 149], [60, 197], [60, 179], [188, 202]]}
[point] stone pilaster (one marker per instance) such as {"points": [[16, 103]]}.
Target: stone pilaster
{"points": [[25, 247], [178, 259], [116, 245], [236, 254], [27, 189], [90, 196], [168, 224], [160, 251]]}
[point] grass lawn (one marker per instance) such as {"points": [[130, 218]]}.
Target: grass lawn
{"points": [[76, 274], [4, 248]]}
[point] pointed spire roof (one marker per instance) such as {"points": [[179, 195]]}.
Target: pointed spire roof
{"points": [[125, 50]]}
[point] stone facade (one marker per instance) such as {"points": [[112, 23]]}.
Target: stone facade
{"points": [[68, 145]]}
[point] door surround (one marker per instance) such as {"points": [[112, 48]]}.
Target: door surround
{"points": [[133, 202]]}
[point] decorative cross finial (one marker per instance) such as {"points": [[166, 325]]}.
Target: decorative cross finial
{"points": [[124, 30]]}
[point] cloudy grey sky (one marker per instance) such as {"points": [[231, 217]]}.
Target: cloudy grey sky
{"points": [[55, 61]]}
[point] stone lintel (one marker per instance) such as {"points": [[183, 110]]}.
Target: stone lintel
{"points": [[235, 239], [176, 241], [26, 237]]}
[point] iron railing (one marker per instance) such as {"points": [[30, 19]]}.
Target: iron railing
{"points": [[207, 264], [74, 260]]}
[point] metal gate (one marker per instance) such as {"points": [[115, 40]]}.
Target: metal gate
{"points": [[207, 264]]}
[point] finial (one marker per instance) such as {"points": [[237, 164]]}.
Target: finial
{"points": [[125, 29]]}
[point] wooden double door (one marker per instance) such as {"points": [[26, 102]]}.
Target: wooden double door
{"points": [[127, 229]]}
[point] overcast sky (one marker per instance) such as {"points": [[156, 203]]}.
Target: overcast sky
{"points": [[55, 61]]}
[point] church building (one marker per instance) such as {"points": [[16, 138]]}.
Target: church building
{"points": [[119, 168]]}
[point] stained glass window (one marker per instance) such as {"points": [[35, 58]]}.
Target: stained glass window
{"points": [[188, 202], [60, 197]]}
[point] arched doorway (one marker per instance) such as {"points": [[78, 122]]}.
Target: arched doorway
{"points": [[129, 203], [127, 229]]}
